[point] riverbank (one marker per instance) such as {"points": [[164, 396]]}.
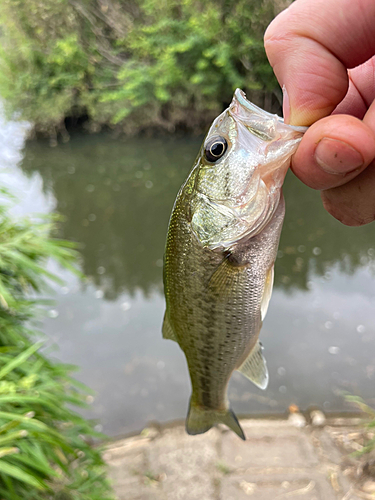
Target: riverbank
{"points": [[279, 460]]}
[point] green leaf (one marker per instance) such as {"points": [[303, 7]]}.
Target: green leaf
{"points": [[21, 475], [14, 363]]}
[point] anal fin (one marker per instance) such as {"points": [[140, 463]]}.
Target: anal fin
{"points": [[255, 368], [167, 330]]}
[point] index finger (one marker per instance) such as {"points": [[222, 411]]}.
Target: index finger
{"points": [[311, 45]]}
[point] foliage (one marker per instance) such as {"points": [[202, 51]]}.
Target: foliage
{"points": [[134, 64], [45, 449], [370, 414]]}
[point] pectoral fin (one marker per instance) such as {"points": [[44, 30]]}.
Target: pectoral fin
{"points": [[255, 368], [267, 293], [225, 278], [167, 330]]}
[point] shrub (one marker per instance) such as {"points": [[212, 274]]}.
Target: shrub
{"points": [[132, 64]]}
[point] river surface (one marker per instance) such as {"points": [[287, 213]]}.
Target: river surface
{"points": [[116, 196]]}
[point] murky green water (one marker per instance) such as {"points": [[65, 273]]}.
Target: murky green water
{"points": [[319, 335]]}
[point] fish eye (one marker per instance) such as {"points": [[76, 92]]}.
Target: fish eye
{"points": [[215, 148]]}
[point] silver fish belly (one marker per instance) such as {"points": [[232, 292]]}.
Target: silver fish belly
{"points": [[221, 247]]}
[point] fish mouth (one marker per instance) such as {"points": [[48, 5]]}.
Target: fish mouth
{"points": [[271, 133], [240, 97]]}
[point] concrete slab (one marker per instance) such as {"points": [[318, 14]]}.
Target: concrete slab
{"points": [[278, 461], [269, 444], [186, 464], [129, 470], [297, 488]]}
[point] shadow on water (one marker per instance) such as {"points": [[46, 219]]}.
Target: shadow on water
{"points": [[313, 241], [117, 197]]}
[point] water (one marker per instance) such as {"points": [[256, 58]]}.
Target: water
{"points": [[116, 196]]}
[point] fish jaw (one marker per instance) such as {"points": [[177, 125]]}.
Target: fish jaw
{"points": [[236, 197]]}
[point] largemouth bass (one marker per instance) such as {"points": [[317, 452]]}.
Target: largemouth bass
{"points": [[221, 247]]}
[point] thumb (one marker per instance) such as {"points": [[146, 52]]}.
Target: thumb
{"points": [[310, 45]]}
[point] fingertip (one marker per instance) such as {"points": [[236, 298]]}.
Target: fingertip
{"points": [[333, 151], [349, 203], [307, 56], [305, 115], [314, 80], [340, 211], [286, 105]]}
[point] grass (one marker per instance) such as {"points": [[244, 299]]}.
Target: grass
{"points": [[46, 449], [223, 468], [369, 445]]}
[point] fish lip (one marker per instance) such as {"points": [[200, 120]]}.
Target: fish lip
{"points": [[278, 126], [240, 96]]}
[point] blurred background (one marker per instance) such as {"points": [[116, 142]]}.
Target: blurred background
{"points": [[114, 97]]}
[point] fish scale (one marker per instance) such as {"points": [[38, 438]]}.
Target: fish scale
{"points": [[221, 246]]}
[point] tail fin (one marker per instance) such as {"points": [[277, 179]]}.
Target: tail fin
{"points": [[200, 420]]}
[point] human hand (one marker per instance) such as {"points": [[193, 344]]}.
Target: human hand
{"points": [[323, 55]]}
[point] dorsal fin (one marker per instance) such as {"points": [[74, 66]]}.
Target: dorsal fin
{"points": [[254, 367]]}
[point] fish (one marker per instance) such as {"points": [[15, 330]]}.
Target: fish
{"points": [[221, 247]]}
